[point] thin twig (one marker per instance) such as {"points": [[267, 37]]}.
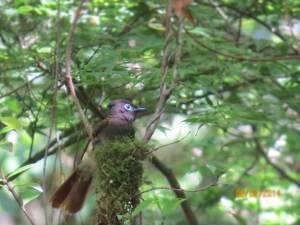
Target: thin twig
{"points": [[177, 55], [260, 150], [220, 110], [239, 31], [124, 31], [224, 89], [15, 196], [29, 87], [223, 15], [248, 14], [53, 119], [164, 96], [128, 26], [102, 99], [241, 58], [68, 73], [72, 139], [88, 142], [22, 86], [290, 25], [95, 52], [36, 117], [166, 93], [166, 58], [176, 189], [155, 118], [220, 11], [168, 144], [15, 90]]}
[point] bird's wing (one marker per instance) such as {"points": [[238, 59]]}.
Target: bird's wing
{"points": [[100, 126]]}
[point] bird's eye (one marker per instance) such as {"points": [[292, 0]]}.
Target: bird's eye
{"points": [[128, 107]]}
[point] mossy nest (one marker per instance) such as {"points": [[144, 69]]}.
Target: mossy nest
{"points": [[120, 175]]}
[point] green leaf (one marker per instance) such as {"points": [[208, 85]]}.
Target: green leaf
{"points": [[6, 129], [158, 222], [126, 216], [29, 195], [142, 206], [192, 120], [8, 146], [158, 204], [22, 169], [35, 186], [25, 9], [208, 177], [238, 218], [170, 206], [209, 101], [11, 122], [219, 172], [162, 128], [211, 167]]}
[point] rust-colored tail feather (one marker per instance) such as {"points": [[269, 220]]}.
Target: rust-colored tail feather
{"points": [[71, 195]]}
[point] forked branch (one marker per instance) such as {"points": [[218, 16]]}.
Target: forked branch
{"points": [[69, 76]]}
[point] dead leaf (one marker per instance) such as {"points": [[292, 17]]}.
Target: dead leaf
{"points": [[179, 4], [187, 13]]}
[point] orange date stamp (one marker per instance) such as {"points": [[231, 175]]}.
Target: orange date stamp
{"points": [[257, 193]]}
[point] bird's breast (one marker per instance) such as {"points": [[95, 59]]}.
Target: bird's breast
{"points": [[114, 130]]}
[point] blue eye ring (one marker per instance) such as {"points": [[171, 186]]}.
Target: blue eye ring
{"points": [[128, 107]]}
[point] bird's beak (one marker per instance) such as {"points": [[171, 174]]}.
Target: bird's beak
{"points": [[139, 109]]}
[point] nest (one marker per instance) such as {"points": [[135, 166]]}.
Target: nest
{"points": [[118, 178]]}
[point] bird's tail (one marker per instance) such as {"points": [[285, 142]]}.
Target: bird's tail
{"points": [[71, 195]]}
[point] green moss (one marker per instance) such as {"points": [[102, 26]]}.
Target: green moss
{"points": [[120, 175]]}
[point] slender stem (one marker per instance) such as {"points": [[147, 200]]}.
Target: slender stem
{"points": [[290, 25], [30, 89], [241, 58], [164, 92], [168, 35], [168, 144], [69, 76], [177, 189], [53, 119], [15, 196], [164, 96]]}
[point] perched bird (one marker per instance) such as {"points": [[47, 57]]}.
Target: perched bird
{"points": [[71, 195]]}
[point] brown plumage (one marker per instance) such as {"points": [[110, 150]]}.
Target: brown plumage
{"points": [[71, 195]]}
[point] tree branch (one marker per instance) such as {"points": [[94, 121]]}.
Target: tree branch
{"points": [[15, 196], [291, 26], [30, 89], [175, 184], [165, 94], [40, 155], [228, 88], [260, 150], [15, 90], [53, 119], [69, 77], [168, 144], [241, 58], [183, 190], [248, 14]]}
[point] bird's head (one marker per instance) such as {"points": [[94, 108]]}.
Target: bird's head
{"points": [[123, 109]]}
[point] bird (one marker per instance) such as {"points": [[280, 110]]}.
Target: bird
{"points": [[71, 195]]}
